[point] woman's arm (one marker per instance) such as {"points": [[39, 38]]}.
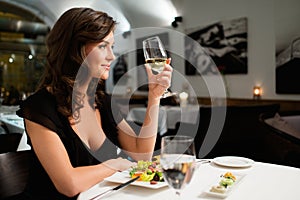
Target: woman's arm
{"points": [[141, 147], [53, 156]]}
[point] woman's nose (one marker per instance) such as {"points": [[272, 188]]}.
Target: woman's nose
{"points": [[111, 55]]}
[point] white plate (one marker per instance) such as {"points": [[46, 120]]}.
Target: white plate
{"points": [[121, 177], [233, 161], [229, 190]]}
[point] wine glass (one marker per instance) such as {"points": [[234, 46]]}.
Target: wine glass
{"points": [[156, 56], [177, 160]]}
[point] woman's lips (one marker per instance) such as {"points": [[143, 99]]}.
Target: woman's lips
{"points": [[107, 67]]}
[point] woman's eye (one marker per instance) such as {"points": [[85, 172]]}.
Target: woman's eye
{"points": [[102, 46]]}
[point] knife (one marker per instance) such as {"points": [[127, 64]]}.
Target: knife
{"points": [[114, 189]]}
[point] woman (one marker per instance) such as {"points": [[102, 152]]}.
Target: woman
{"points": [[71, 127]]}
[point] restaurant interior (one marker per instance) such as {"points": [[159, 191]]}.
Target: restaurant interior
{"points": [[246, 99]]}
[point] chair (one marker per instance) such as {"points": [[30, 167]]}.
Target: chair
{"points": [[14, 170], [283, 138], [285, 124], [9, 142]]}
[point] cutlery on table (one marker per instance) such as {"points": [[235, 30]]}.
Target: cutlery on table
{"points": [[203, 161]]}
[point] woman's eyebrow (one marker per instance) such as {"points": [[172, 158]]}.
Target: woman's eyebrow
{"points": [[106, 42]]}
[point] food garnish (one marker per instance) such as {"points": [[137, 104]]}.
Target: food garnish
{"points": [[148, 171], [226, 181], [229, 175]]}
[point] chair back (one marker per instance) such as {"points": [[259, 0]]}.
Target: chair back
{"points": [[14, 170], [283, 139], [9, 142], [285, 124]]}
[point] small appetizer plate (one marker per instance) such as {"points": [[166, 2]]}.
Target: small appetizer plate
{"points": [[228, 190]]}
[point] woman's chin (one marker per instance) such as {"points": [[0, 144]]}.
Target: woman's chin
{"points": [[104, 76]]}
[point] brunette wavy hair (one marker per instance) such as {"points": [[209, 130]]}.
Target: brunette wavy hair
{"points": [[65, 45]]}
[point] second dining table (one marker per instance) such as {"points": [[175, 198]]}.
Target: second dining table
{"points": [[168, 117], [260, 181]]}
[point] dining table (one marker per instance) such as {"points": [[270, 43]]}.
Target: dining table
{"points": [[168, 116], [138, 115], [13, 122], [256, 181]]}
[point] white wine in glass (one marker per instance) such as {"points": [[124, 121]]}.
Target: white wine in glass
{"points": [[156, 56], [178, 161], [157, 64]]}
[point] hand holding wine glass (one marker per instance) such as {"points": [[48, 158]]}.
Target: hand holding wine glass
{"points": [[156, 56], [178, 161]]}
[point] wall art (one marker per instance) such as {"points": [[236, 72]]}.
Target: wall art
{"points": [[225, 42]]}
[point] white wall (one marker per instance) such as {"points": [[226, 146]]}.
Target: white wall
{"points": [[266, 20], [270, 22]]}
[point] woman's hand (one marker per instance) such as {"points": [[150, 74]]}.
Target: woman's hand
{"points": [[119, 164], [160, 82]]}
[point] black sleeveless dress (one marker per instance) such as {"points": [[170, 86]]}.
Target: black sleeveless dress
{"points": [[41, 108]]}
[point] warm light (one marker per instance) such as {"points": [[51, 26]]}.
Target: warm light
{"points": [[183, 96], [257, 92]]}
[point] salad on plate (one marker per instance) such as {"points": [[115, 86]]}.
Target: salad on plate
{"points": [[148, 171]]}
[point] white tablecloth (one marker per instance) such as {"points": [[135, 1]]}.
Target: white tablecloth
{"points": [[10, 119], [168, 116], [5, 110], [138, 115], [13, 122], [187, 114], [262, 181]]}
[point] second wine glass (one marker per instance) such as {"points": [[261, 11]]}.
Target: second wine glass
{"points": [[156, 56], [178, 161]]}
